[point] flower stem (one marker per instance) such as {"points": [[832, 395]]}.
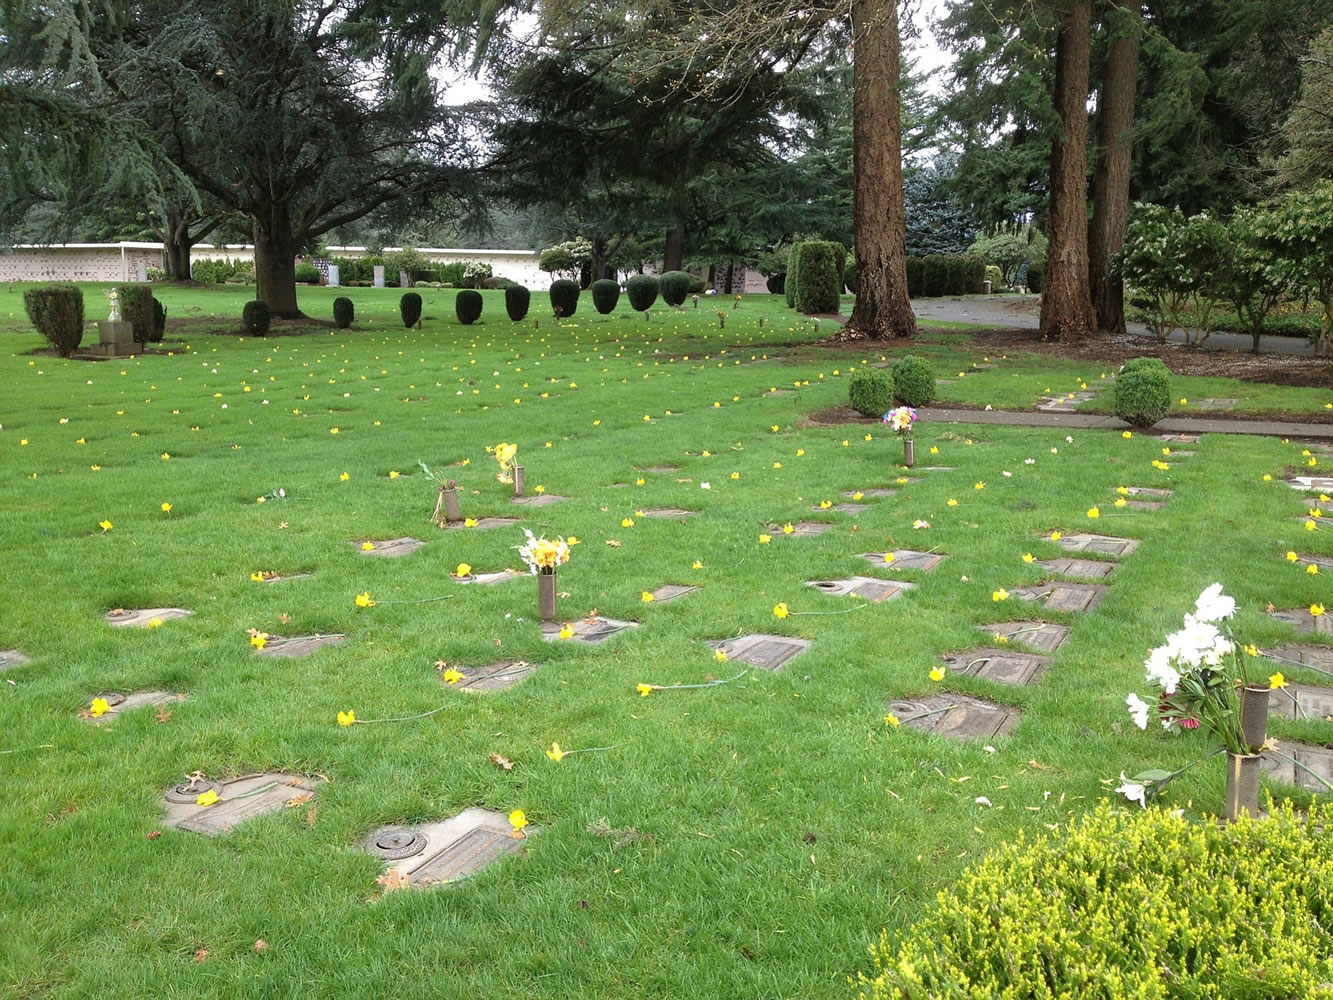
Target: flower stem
{"points": [[406, 718], [424, 600], [926, 715], [706, 684], [1318, 777]]}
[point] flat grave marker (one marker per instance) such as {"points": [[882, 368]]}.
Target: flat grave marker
{"points": [[1038, 635], [12, 658], [491, 579], [1317, 759], [494, 676], [297, 646], [484, 523], [1006, 666], [1085, 569], [1301, 701], [1303, 621], [1217, 403], [668, 513], [956, 716], [143, 617], [1082, 541], [117, 703], [671, 591], [1319, 657], [540, 499], [1066, 597], [1179, 438], [905, 559], [850, 509], [593, 631], [280, 578], [1067, 403], [388, 547], [871, 491], [447, 850], [238, 799], [865, 587], [767, 652], [800, 529], [1322, 484], [1309, 559]]}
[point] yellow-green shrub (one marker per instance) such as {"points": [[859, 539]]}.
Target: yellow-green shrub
{"points": [[1139, 904]]}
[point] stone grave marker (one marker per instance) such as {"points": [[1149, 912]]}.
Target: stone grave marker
{"points": [[905, 559], [670, 591], [142, 617], [483, 523], [1176, 455], [1303, 621], [1317, 759], [1217, 403], [866, 587], [956, 716], [279, 578], [238, 800], [593, 631], [1301, 701], [1149, 491], [778, 392], [1323, 484], [850, 509], [389, 547], [658, 469], [334, 276], [1038, 635], [379, 275], [118, 703], [540, 499], [1066, 597], [494, 676], [491, 579], [1067, 403], [298, 646], [1319, 657], [768, 652], [1005, 666], [1108, 545], [1323, 562], [12, 658], [800, 529], [446, 850], [668, 513], [873, 491], [1086, 569], [1179, 438]]}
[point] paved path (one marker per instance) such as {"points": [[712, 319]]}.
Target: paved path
{"points": [[1098, 421], [997, 310]]}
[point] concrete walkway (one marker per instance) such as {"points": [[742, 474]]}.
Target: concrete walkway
{"points": [[1099, 421], [997, 310]]}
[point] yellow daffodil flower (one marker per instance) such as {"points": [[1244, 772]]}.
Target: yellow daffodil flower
{"points": [[1267, 478], [1312, 569], [937, 673], [892, 720], [469, 522], [153, 623], [344, 477], [1316, 610], [1122, 490], [257, 577], [765, 539], [1276, 682], [98, 708], [346, 718], [644, 690], [627, 522], [166, 508], [979, 486], [555, 753], [1094, 513], [1055, 536], [934, 450], [452, 676], [639, 481], [566, 632], [869, 438], [787, 528], [105, 525], [517, 820], [857, 495], [259, 641], [1121, 502], [1126, 435], [207, 798], [393, 474], [462, 570], [1027, 557], [999, 595], [952, 502], [364, 601], [825, 504], [780, 610], [720, 655], [646, 597]]}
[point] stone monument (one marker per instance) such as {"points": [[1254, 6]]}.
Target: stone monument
{"points": [[379, 275], [334, 276], [116, 334]]}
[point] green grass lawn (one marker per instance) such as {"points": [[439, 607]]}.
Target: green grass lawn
{"points": [[781, 822]]}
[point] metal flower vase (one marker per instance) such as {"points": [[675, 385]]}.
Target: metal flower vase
{"points": [[517, 472], [546, 598], [909, 453], [1242, 792]]}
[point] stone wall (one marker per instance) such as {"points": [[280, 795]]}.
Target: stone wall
{"points": [[79, 262]]}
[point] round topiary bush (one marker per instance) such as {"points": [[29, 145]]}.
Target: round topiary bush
{"points": [[255, 317], [1143, 394], [136, 306], [564, 297], [1146, 364], [1128, 904], [870, 391], [642, 292], [675, 287], [605, 295], [57, 313], [159, 322], [410, 307], [467, 306], [344, 312], [517, 300], [913, 381]]}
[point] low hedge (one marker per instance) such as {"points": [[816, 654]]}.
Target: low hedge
{"points": [[605, 295], [467, 306], [819, 266], [870, 391], [256, 318], [913, 381], [564, 297], [1143, 392], [1128, 904], [410, 308], [517, 300], [344, 312], [136, 306], [57, 313], [676, 287], [641, 290]]}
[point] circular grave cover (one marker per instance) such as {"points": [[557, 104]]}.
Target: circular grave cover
{"points": [[393, 843], [187, 792]]}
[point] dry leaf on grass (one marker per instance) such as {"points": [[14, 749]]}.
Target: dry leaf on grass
{"points": [[504, 762], [311, 815], [261, 945], [299, 800], [162, 714], [613, 543], [391, 881], [201, 954]]}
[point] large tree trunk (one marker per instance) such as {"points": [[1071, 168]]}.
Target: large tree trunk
{"points": [[1066, 302], [673, 259], [882, 308], [1110, 180], [275, 268]]}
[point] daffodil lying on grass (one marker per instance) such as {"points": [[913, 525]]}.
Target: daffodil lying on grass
{"points": [[645, 690], [557, 755]]}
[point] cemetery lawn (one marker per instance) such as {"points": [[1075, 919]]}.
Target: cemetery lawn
{"points": [[747, 839]]}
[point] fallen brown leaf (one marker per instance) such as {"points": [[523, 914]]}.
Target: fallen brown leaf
{"points": [[201, 954], [284, 618], [613, 543], [391, 881], [311, 815], [261, 945], [504, 762], [162, 714], [299, 800]]}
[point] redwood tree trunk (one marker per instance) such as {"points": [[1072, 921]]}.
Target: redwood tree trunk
{"points": [[882, 308], [673, 258], [1110, 180], [275, 268], [1066, 302]]}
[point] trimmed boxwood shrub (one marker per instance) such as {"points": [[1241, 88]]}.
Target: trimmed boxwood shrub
{"points": [[1145, 364], [410, 307], [307, 274], [916, 277], [467, 306], [57, 313], [793, 273], [1036, 275], [642, 292], [159, 321], [870, 391], [1128, 904], [697, 284], [517, 300], [675, 287], [136, 306], [819, 266], [255, 317], [564, 297], [913, 381], [344, 312], [1143, 392], [605, 295]]}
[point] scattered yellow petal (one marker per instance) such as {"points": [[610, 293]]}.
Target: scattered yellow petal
{"points": [[646, 597], [344, 477], [979, 486], [765, 539], [105, 525], [627, 522], [166, 508]]}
